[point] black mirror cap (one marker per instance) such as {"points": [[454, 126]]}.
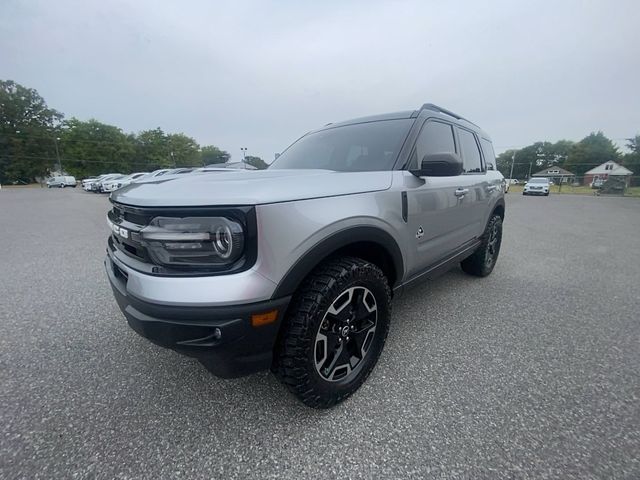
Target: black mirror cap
{"points": [[440, 165]]}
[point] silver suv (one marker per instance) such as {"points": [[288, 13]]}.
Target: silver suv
{"points": [[294, 268]]}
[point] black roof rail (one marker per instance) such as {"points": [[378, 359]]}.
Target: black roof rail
{"points": [[436, 108]]}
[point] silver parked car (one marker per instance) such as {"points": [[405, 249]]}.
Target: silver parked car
{"points": [[294, 268]]}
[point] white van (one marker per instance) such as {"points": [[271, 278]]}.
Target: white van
{"points": [[62, 181]]}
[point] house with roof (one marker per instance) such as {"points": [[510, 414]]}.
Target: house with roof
{"points": [[606, 170], [555, 173]]}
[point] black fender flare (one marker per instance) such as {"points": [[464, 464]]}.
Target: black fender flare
{"points": [[331, 244], [499, 204]]}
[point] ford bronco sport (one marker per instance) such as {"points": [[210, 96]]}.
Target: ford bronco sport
{"points": [[293, 268]]}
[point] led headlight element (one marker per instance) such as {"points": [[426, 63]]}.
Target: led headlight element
{"points": [[194, 241]]}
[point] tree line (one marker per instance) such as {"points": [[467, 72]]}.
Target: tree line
{"points": [[35, 139], [576, 157]]}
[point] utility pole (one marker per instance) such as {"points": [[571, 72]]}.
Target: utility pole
{"points": [[513, 160], [55, 140]]}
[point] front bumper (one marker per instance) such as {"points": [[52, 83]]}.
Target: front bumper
{"points": [[535, 192], [220, 337]]}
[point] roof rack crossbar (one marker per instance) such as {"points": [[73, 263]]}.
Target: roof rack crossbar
{"points": [[436, 108]]}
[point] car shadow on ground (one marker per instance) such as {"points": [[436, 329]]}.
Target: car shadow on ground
{"points": [[262, 392]]}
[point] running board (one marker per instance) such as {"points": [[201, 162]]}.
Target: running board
{"points": [[438, 268]]}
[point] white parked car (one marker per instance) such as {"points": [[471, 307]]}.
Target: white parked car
{"points": [[119, 182], [86, 183], [537, 186], [62, 181], [111, 184], [97, 186], [152, 175]]}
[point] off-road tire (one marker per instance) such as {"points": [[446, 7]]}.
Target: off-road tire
{"points": [[294, 362], [482, 261]]}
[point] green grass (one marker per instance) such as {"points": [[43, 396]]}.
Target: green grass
{"points": [[581, 190]]}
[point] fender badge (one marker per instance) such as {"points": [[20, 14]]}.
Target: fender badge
{"points": [[420, 232]]}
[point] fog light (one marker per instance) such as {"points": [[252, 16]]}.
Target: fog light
{"points": [[217, 334], [257, 320]]}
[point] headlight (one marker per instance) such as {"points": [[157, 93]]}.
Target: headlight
{"points": [[194, 241]]}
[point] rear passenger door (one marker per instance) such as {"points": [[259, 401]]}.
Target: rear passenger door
{"points": [[475, 173]]}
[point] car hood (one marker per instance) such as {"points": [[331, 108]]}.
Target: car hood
{"points": [[248, 187]]}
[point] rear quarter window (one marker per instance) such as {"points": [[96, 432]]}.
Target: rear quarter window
{"points": [[471, 158], [487, 150]]}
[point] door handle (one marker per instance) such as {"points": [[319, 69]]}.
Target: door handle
{"points": [[461, 192]]}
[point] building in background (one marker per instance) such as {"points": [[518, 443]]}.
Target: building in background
{"points": [[608, 169], [557, 174]]}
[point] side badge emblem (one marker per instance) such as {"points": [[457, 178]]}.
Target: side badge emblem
{"points": [[420, 232]]}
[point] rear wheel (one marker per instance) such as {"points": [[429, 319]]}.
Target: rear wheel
{"points": [[335, 331], [62, 185], [483, 260]]}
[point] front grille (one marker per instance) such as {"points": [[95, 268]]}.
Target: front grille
{"points": [[132, 215], [133, 220]]}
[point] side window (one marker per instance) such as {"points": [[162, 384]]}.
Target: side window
{"points": [[470, 151], [489, 154], [435, 137]]}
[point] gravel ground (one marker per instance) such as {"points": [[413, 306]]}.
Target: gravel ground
{"points": [[532, 372]]}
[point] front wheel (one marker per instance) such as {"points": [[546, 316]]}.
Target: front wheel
{"points": [[482, 261], [334, 332], [62, 185]]}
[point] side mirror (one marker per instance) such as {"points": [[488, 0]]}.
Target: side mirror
{"points": [[440, 165], [490, 166]]}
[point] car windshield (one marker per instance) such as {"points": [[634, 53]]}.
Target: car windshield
{"points": [[539, 180], [361, 147]]}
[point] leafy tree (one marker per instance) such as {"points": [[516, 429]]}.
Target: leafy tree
{"points": [[533, 158], [91, 148], [211, 154], [590, 152], [156, 149], [184, 151], [256, 162], [27, 133], [632, 160], [152, 150]]}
